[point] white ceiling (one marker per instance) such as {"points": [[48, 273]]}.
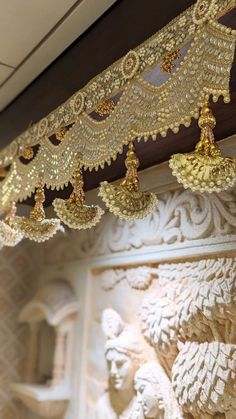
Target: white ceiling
{"points": [[34, 32]]}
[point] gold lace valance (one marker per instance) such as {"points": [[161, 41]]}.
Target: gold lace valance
{"points": [[140, 107]]}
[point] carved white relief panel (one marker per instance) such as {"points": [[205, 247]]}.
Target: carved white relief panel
{"points": [[183, 312], [186, 313]]}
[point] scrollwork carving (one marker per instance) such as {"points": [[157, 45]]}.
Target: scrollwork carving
{"points": [[182, 217]]}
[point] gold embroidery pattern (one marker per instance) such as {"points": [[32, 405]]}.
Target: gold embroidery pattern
{"points": [[204, 10], [130, 65]]}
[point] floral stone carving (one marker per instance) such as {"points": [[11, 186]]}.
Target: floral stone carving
{"points": [[138, 278]]}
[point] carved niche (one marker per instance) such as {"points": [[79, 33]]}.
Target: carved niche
{"points": [[55, 306]]}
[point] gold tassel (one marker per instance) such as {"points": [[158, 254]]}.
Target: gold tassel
{"points": [[205, 169], [10, 236], [37, 227], [126, 200], [73, 211]]}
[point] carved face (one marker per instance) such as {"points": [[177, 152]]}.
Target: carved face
{"points": [[121, 370], [150, 397]]}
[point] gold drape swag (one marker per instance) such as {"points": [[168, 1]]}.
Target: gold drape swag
{"points": [[142, 110]]}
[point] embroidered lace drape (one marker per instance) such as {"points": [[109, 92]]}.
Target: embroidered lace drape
{"points": [[140, 108]]}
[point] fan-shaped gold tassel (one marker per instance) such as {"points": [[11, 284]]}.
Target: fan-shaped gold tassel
{"points": [[37, 227], [205, 169], [9, 234], [73, 211], [126, 200]]}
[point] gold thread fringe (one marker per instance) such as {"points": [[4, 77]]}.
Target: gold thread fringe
{"points": [[9, 234], [73, 211], [205, 169], [37, 227], [126, 200]]}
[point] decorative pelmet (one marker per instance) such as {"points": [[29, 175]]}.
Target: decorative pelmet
{"points": [[108, 82], [142, 110]]}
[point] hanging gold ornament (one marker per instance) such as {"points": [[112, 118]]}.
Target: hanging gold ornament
{"points": [[9, 234], [126, 200], [205, 169], [73, 211], [3, 172], [60, 134], [168, 61], [105, 108], [28, 153], [37, 227]]}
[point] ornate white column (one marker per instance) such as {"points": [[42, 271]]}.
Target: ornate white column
{"points": [[59, 357], [31, 366]]}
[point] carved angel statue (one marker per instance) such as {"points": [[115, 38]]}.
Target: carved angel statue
{"points": [[155, 393], [124, 355]]}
